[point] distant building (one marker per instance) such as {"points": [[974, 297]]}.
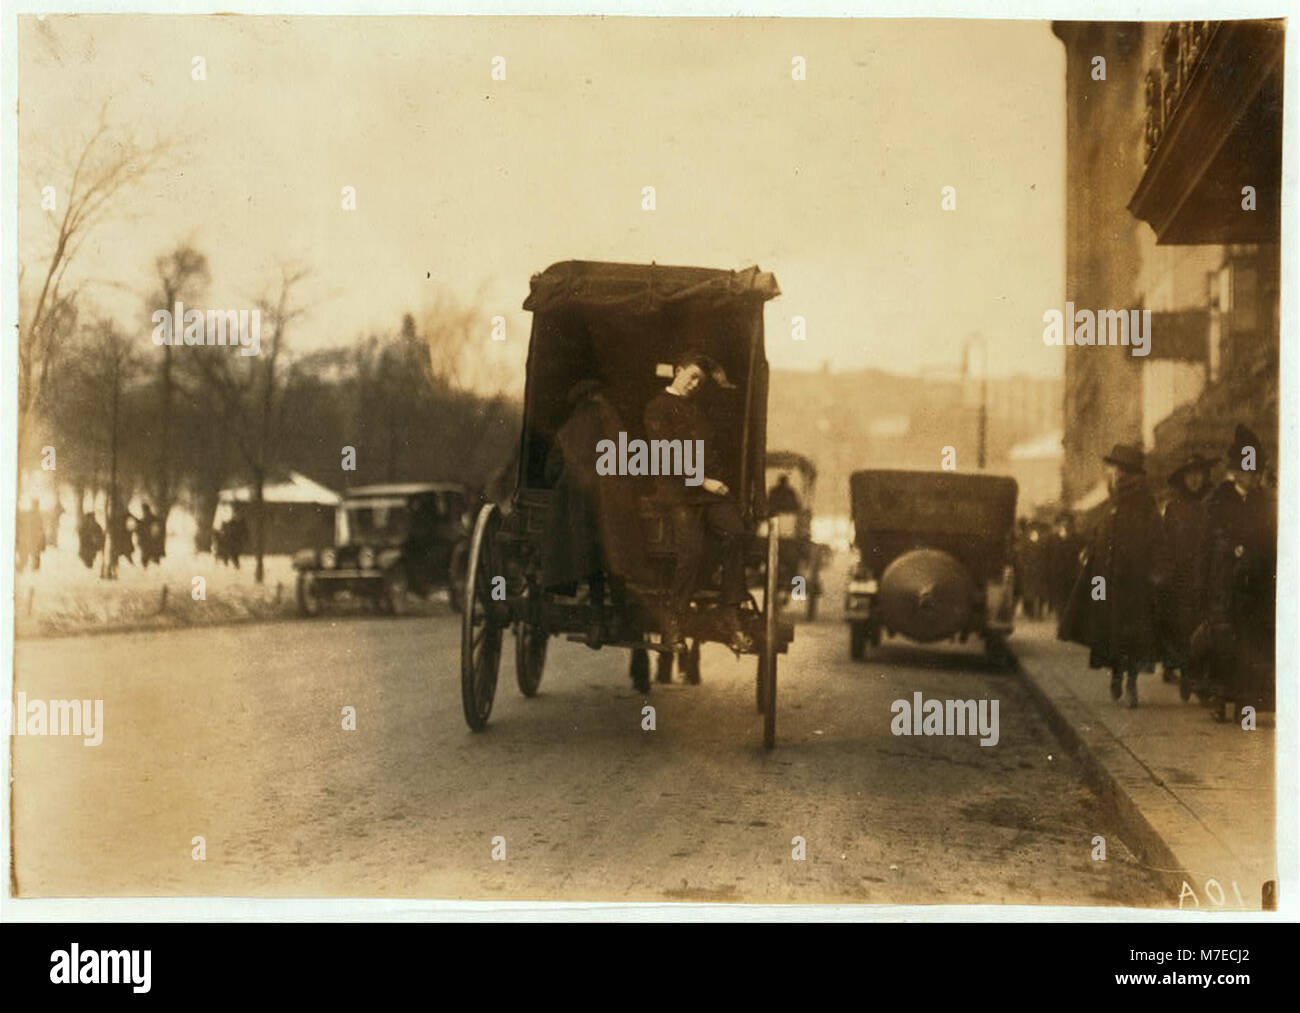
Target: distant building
{"points": [[871, 419], [1161, 141], [1035, 464], [299, 512]]}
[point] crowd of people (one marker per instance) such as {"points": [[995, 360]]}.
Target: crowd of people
{"points": [[1190, 589], [37, 532]]}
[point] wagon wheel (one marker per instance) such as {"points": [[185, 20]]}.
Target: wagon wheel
{"points": [[480, 635], [768, 652], [530, 656]]}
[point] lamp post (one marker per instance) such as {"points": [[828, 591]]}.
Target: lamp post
{"points": [[984, 390]]}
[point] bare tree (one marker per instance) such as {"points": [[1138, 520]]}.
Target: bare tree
{"points": [[111, 364], [109, 163], [448, 328], [182, 275], [250, 390]]}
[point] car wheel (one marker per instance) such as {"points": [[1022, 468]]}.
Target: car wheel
{"points": [[639, 669], [308, 597], [456, 576], [690, 663], [857, 641], [664, 667]]}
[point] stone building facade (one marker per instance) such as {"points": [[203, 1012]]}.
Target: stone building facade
{"points": [[1166, 127]]}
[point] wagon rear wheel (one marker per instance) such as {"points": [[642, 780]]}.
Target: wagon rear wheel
{"points": [[480, 632], [768, 652], [530, 656]]}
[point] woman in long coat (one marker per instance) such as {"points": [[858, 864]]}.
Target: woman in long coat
{"points": [[1115, 615], [1179, 609], [1240, 567]]}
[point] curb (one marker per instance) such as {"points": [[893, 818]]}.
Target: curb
{"points": [[1122, 782]]}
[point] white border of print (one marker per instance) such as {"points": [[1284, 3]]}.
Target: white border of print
{"points": [[226, 909]]}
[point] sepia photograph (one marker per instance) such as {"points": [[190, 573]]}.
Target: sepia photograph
{"points": [[651, 460]]}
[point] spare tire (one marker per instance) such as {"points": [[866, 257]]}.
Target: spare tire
{"points": [[927, 595]]}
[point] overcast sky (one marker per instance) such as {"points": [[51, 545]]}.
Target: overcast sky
{"points": [[468, 185]]}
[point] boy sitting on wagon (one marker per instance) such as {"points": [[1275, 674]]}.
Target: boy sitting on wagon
{"points": [[674, 414]]}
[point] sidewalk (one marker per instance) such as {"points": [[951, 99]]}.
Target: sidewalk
{"points": [[1195, 798]]}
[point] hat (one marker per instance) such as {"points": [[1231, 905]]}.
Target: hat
{"points": [[1127, 456], [1194, 462], [1241, 439]]}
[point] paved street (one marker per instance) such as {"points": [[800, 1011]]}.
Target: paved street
{"points": [[235, 734]]}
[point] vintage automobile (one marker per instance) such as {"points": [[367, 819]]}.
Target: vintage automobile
{"points": [[934, 558], [799, 555], [389, 541], [621, 326]]}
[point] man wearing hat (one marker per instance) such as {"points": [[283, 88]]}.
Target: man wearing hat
{"points": [[674, 414], [1178, 604], [1114, 616], [1239, 580]]}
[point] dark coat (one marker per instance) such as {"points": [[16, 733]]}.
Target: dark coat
{"points": [[1178, 604], [1032, 564], [1062, 566], [1119, 630], [1239, 585], [90, 538], [672, 417], [593, 525]]}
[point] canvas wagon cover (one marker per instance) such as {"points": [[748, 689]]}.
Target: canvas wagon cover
{"points": [[643, 288], [624, 324]]}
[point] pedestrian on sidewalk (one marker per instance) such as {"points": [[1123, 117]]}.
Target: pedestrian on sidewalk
{"points": [[1178, 605], [1112, 608], [1063, 550], [1240, 580]]}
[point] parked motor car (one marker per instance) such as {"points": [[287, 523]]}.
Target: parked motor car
{"points": [[934, 558], [390, 541]]}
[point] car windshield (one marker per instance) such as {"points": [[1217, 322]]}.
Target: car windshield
{"points": [[373, 522]]}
